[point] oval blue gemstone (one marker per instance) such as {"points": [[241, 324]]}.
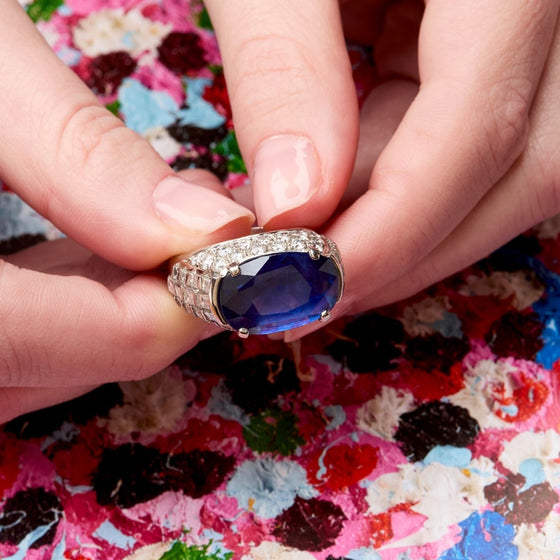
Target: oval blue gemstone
{"points": [[278, 292]]}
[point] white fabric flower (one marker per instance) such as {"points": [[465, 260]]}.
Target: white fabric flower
{"points": [[524, 288], [542, 541], [380, 416], [116, 30], [163, 143], [483, 383], [444, 495], [275, 551]]}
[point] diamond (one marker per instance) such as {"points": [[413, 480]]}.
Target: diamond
{"points": [[224, 257], [205, 284], [181, 276], [188, 297], [205, 262], [298, 244], [201, 301], [171, 285], [195, 259], [279, 243], [279, 291], [258, 247]]}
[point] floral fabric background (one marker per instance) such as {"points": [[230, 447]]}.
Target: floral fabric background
{"points": [[425, 430]]}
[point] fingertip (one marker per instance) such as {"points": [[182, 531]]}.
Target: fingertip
{"points": [[244, 195], [287, 174], [294, 104], [205, 179], [291, 185], [312, 215]]}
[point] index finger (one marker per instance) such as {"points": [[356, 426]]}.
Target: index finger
{"points": [[294, 103], [79, 166]]}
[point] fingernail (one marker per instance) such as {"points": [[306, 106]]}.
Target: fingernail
{"points": [[287, 173], [190, 206]]}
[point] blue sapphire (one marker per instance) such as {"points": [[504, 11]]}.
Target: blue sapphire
{"points": [[279, 292]]}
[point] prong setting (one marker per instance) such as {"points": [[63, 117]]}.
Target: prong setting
{"points": [[315, 254], [243, 333]]}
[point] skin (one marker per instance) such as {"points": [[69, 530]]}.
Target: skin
{"points": [[78, 312], [454, 153], [457, 149]]}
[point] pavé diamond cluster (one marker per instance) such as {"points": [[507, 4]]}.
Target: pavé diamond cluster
{"points": [[263, 283]]}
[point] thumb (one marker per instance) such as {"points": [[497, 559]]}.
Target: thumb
{"points": [[288, 77], [79, 166]]}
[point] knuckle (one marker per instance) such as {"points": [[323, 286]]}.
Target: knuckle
{"points": [[507, 121], [89, 137], [422, 237], [544, 155], [275, 71], [138, 341]]}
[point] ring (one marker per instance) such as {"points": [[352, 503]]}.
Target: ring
{"points": [[263, 283]]}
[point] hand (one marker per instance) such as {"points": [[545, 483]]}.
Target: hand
{"points": [[70, 320], [458, 143]]}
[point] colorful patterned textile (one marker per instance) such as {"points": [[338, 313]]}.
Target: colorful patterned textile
{"points": [[425, 430]]}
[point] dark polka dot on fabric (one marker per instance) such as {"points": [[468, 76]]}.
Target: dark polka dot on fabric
{"points": [[518, 505], [255, 383], [516, 335], [129, 475], [370, 343], [436, 352], [311, 525], [133, 473], [198, 472], [211, 354], [210, 162], [20, 242], [195, 135], [96, 403], [107, 71], [182, 52], [432, 424], [512, 256], [26, 511]]}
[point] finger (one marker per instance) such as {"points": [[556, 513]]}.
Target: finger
{"points": [[71, 329], [396, 49], [205, 179], [64, 252], [64, 257], [524, 197], [242, 194], [50, 256], [506, 211], [79, 166], [15, 401], [464, 129], [289, 78], [380, 116]]}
